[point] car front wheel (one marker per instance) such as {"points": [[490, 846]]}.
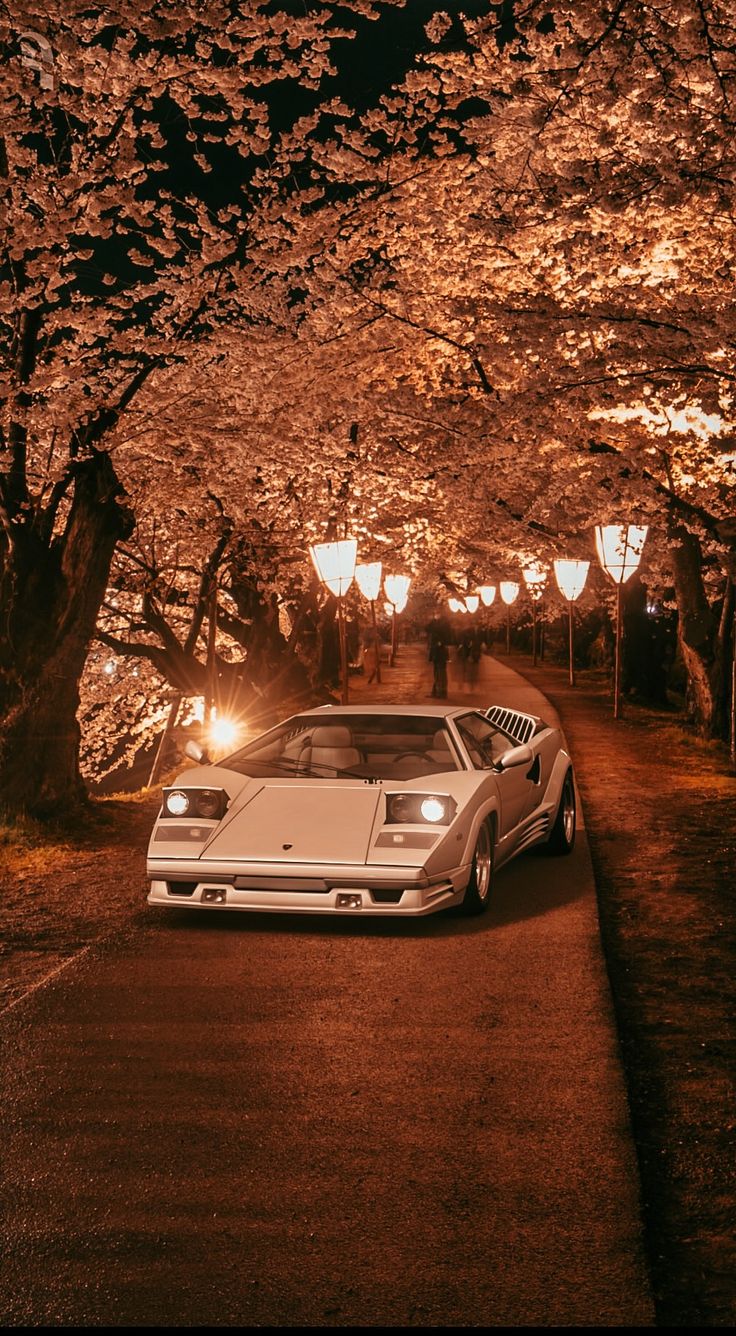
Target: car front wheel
{"points": [[478, 889], [562, 835]]}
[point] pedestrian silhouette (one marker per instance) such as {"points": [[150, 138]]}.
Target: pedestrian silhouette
{"points": [[438, 656]]}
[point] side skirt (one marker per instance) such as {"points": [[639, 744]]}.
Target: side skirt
{"points": [[533, 830]]}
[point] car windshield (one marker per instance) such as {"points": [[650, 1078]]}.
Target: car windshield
{"points": [[359, 746]]}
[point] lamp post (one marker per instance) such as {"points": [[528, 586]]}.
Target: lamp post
{"points": [[396, 588], [619, 548], [335, 566], [571, 577], [368, 577], [535, 578], [487, 594], [509, 591]]}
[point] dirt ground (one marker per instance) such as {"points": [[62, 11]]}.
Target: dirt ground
{"points": [[660, 810]]}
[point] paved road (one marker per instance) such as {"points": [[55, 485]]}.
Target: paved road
{"points": [[241, 1121]]}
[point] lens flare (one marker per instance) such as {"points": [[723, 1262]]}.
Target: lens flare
{"points": [[223, 732]]}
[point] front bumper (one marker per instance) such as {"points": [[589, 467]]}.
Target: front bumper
{"points": [[402, 891]]}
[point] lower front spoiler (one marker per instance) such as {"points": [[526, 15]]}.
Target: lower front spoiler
{"points": [[411, 902]]}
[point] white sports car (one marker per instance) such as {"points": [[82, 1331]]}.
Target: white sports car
{"points": [[378, 810]]}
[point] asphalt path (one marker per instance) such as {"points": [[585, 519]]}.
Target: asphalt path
{"points": [[234, 1120]]}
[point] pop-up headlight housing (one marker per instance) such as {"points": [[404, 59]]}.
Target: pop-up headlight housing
{"points": [[432, 809], [209, 804]]}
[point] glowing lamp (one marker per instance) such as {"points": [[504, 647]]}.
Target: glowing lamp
{"points": [[571, 577], [619, 548], [335, 564], [535, 578], [368, 578], [487, 594], [471, 602], [396, 588], [509, 592]]}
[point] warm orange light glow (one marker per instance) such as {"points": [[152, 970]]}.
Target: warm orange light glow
{"points": [[571, 577], [223, 732], [368, 577], [397, 590], [509, 591], [535, 577], [619, 548], [335, 564]]}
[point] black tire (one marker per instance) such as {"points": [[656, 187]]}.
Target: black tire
{"points": [[562, 835], [478, 889]]}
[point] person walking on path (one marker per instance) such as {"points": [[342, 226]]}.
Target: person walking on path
{"points": [[371, 651], [438, 656], [469, 657]]}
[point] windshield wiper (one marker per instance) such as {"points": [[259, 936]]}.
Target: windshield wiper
{"points": [[296, 768]]}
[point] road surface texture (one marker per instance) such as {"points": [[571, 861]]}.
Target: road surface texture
{"points": [[236, 1120]]}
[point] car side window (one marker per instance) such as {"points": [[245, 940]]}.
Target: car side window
{"points": [[483, 741]]}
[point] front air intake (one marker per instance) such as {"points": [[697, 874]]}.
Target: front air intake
{"points": [[181, 887]]}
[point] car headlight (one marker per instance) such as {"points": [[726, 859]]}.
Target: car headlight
{"points": [[434, 809], [210, 804], [176, 802]]}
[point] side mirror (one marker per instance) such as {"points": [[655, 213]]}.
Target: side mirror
{"points": [[516, 756], [195, 752]]}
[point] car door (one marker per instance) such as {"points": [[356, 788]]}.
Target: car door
{"points": [[485, 744]]}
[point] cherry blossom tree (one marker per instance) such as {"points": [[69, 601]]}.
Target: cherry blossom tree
{"points": [[545, 298], [138, 147], [466, 304]]}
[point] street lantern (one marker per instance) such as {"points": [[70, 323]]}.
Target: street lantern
{"points": [[619, 548], [456, 605], [535, 578], [368, 577], [471, 602], [571, 577], [335, 566], [509, 591], [487, 594], [396, 588]]}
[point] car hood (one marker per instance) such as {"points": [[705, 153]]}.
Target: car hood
{"points": [[280, 822]]}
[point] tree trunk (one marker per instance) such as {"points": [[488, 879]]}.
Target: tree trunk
{"points": [[50, 596], [703, 636]]}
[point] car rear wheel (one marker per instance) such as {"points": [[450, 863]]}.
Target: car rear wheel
{"points": [[562, 835], [478, 889]]}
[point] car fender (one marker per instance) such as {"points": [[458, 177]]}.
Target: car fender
{"points": [[454, 853], [489, 806], [553, 792]]}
